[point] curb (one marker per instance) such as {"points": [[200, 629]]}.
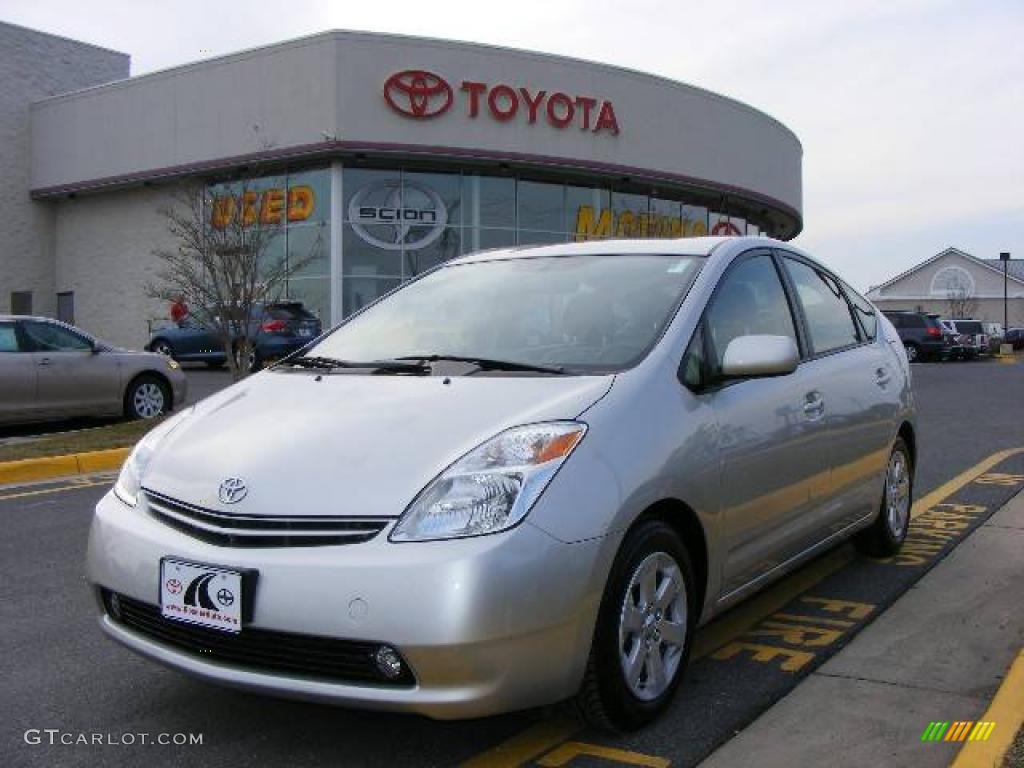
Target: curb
{"points": [[47, 467], [1006, 710]]}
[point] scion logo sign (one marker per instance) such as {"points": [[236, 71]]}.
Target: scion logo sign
{"points": [[418, 93], [392, 215], [421, 94]]}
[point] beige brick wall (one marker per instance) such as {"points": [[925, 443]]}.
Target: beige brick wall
{"points": [[104, 245], [33, 66]]}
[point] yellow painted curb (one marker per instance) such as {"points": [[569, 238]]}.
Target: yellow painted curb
{"points": [[1007, 711], [47, 467]]}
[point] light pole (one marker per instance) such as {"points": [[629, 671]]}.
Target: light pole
{"points": [[1005, 258]]}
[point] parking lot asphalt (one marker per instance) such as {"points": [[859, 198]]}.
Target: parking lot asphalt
{"points": [[61, 673]]}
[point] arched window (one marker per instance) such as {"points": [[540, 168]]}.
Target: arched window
{"points": [[952, 280]]}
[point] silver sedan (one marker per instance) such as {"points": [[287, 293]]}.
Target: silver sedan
{"points": [[50, 370], [525, 476]]}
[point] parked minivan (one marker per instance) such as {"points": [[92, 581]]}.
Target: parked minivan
{"points": [[525, 476]]}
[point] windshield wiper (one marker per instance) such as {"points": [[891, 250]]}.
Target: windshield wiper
{"points": [[487, 363], [330, 363]]}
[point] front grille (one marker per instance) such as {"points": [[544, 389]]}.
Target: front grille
{"points": [[323, 658], [231, 530]]}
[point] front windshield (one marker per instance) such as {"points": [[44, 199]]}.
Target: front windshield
{"points": [[581, 313]]}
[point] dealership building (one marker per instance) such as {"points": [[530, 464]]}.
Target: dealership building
{"points": [[379, 156]]}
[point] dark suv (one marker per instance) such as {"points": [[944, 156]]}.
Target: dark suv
{"points": [[275, 330], [922, 336]]}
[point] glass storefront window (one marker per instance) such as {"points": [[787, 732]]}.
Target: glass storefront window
{"points": [[309, 198], [447, 186], [695, 220], [446, 247], [309, 250], [484, 239], [489, 201], [588, 212], [364, 258], [724, 225], [541, 206], [528, 237], [315, 294], [359, 290]]}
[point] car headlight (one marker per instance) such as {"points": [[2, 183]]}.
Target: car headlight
{"points": [[172, 364], [492, 487], [129, 482]]}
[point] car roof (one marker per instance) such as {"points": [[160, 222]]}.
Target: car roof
{"points": [[13, 318], [684, 246]]}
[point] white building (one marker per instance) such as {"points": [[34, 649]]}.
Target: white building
{"points": [[953, 283], [483, 146]]}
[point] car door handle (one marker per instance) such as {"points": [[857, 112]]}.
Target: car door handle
{"points": [[814, 405], [44, 361]]}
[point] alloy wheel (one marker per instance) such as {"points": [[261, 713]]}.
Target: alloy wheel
{"points": [[652, 626], [897, 494], [148, 400]]}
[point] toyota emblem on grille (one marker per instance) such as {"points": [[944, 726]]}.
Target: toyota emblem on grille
{"points": [[232, 490], [418, 93]]}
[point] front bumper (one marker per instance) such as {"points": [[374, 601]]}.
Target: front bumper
{"points": [[487, 625]]}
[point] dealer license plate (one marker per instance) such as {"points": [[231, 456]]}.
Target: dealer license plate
{"points": [[201, 594]]}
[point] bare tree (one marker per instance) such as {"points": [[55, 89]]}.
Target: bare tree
{"points": [[960, 302], [226, 260]]}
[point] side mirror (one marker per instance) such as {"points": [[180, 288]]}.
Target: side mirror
{"points": [[96, 348], [760, 355]]}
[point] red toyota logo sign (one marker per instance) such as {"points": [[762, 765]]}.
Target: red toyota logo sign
{"points": [[726, 228], [418, 93]]}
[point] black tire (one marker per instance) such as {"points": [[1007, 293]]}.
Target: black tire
{"points": [[881, 539], [254, 362], [606, 699], [147, 397], [161, 347], [912, 354]]}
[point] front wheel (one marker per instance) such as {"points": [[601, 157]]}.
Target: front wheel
{"points": [[147, 397], [886, 534], [644, 629]]}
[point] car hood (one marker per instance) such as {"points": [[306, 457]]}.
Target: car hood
{"points": [[347, 444]]}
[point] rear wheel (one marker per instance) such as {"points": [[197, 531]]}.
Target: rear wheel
{"points": [[161, 347], [644, 630], [912, 353], [886, 534], [147, 397]]}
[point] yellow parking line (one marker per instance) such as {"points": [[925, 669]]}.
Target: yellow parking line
{"points": [[565, 754], [58, 489], [1006, 714], [523, 747], [950, 487]]}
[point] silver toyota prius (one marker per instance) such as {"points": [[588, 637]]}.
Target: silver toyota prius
{"points": [[526, 476]]}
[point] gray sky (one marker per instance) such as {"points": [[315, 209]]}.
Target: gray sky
{"points": [[911, 112]]}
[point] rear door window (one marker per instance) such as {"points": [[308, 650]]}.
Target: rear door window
{"points": [[50, 337], [864, 311], [828, 316], [8, 338]]}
